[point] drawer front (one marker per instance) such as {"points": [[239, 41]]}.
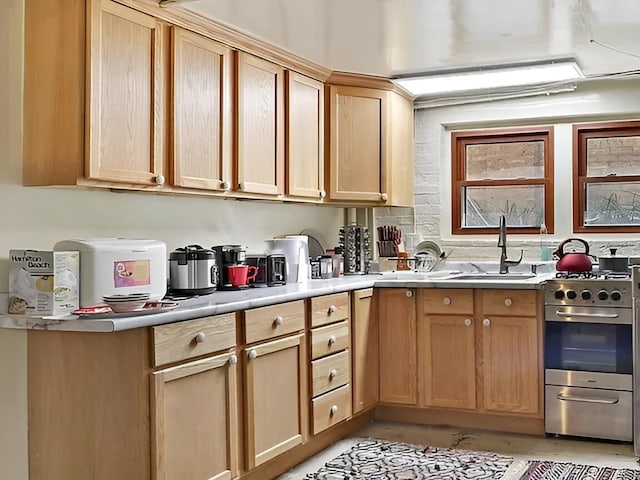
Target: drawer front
{"points": [[509, 302], [179, 341], [330, 372], [329, 339], [447, 300], [329, 309], [331, 408], [269, 322]]}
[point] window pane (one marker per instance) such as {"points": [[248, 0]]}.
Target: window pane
{"points": [[521, 205], [613, 155], [500, 161], [614, 203]]}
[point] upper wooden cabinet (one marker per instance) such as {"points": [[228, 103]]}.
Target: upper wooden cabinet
{"points": [[202, 112], [370, 145], [305, 137], [260, 126]]}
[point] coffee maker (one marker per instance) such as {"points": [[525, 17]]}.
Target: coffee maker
{"points": [[227, 255]]}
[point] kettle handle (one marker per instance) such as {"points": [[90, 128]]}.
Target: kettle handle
{"points": [[560, 250]]}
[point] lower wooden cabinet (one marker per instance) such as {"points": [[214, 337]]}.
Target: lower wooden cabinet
{"points": [[275, 389], [397, 342], [364, 327], [195, 420]]}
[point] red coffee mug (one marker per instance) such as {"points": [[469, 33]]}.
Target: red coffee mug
{"points": [[240, 275]]}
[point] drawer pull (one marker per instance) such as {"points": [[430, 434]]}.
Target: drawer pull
{"points": [[332, 339], [467, 322], [334, 409], [508, 302], [333, 373], [332, 309], [278, 321], [233, 359], [200, 337], [446, 301], [252, 354], [409, 293], [575, 398], [486, 322]]}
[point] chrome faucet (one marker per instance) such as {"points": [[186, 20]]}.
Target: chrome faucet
{"points": [[502, 243]]}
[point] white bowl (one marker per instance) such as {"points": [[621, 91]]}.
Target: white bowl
{"points": [[130, 306]]}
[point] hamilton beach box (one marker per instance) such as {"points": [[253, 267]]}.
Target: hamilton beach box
{"points": [[43, 283], [111, 266]]}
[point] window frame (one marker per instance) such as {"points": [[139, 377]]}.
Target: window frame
{"points": [[582, 132], [459, 141]]}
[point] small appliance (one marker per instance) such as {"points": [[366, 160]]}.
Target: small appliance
{"points": [[295, 249], [228, 255], [272, 270], [192, 271]]}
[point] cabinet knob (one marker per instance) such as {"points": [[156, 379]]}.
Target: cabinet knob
{"points": [[200, 337], [383, 197], [467, 322], [446, 301], [233, 359], [508, 302], [333, 373], [486, 322], [252, 354], [334, 409], [225, 185], [159, 179], [322, 194], [332, 309], [409, 293], [241, 187], [332, 339], [278, 321]]}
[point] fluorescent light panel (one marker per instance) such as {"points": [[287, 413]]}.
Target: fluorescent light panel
{"points": [[491, 78]]}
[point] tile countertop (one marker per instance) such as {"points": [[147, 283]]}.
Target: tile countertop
{"points": [[231, 301]]}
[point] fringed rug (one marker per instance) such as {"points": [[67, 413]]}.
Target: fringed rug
{"points": [[380, 460], [372, 459]]}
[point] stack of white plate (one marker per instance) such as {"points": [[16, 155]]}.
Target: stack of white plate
{"points": [[129, 302]]}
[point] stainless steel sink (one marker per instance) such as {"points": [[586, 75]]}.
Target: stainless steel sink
{"points": [[493, 276]]}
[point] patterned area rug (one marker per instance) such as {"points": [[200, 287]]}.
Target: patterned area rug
{"points": [[380, 460], [372, 459]]}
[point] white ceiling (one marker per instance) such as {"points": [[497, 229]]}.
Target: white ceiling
{"points": [[393, 37]]}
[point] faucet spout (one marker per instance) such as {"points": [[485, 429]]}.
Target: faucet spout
{"points": [[505, 263]]}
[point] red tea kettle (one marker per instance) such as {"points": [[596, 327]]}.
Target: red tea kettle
{"points": [[573, 261]]}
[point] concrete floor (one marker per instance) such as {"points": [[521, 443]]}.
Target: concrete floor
{"points": [[521, 447]]}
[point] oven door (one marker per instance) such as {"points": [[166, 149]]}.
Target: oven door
{"points": [[588, 339]]}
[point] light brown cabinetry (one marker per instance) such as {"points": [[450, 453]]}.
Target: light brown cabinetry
{"points": [[304, 137], [202, 112], [330, 360], [364, 326], [260, 126], [479, 350], [275, 382], [398, 347]]}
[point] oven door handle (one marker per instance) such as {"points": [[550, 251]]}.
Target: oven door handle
{"points": [[592, 317], [574, 398]]}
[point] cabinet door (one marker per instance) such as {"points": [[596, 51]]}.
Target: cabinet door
{"points": [[510, 364], [364, 324], [126, 95], [305, 136], [195, 421], [275, 398], [358, 143], [202, 112], [397, 342], [260, 126], [400, 164], [446, 361]]}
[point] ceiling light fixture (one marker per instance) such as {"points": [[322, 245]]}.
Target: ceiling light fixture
{"points": [[491, 77]]}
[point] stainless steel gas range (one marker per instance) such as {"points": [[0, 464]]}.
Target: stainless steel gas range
{"points": [[589, 356]]}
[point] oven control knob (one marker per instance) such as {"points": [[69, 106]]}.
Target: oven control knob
{"points": [[559, 294], [616, 295], [603, 295], [571, 295], [585, 294]]}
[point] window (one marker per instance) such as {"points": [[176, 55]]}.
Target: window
{"points": [[502, 172], [606, 183]]}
